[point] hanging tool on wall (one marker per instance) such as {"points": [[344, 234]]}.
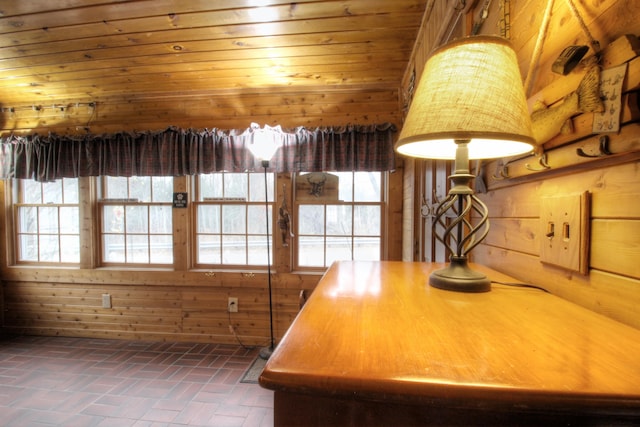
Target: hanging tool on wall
{"points": [[572, 55], [484, 13], [505, 19], [284, 219]]}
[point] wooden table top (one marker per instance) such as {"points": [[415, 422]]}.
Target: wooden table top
{"points": [[377, 331]]}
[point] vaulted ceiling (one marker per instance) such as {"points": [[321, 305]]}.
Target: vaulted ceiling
{"points": [[72, 66]]}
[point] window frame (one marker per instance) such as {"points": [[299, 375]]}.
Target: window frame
{"points": [[383, 204], [17, 189], [200, 201], [103, 201]]}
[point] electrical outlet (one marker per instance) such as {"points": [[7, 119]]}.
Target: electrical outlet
{"points": [[564, 228], [106, 301], [232, 305]]}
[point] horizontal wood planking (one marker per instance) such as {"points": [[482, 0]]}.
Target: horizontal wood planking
{"points": [[180, 306], [199, 313], [513, 245], [612, 295], [295, 108], [149, 65]]}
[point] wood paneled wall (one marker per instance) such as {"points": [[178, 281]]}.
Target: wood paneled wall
{"points": [[612, 285], [179, 304]]}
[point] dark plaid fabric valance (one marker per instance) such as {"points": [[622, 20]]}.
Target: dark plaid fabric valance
{"points": [[178, 152]]}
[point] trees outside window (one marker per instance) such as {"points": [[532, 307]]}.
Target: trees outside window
{"points": [[136, 214], [47, 222]]}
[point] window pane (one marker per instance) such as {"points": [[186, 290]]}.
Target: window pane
{"points": [[28, 250], [70, 249], [210, 186], [31, 191], [311, 219], [234, 219], [160, 219], [161, 249], [209, 250], [140, 188], [366, 248], [137, 248], [27, 219], [69, 220], [49, 248], [339, 220], [52, 192], [113, 219], [258, 250], [367, 187], [338, 248], [136, 219], [256, 187], [366, 220], [345, 186], [311, 251], [113, 250], [235, 185], [257, 223], [48, 220], [116, 187], [208, 218], [162, 187], [70, 188], [234, 249]]}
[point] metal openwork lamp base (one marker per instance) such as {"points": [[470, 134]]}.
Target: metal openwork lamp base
{"points": [[457, 276], [460, 235]]}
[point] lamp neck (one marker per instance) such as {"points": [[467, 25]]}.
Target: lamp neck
{"points": [[461, 177], [462, 156]]}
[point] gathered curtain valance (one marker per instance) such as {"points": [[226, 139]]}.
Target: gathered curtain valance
{"points": [[178, 152]]}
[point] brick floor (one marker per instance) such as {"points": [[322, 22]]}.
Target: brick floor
{"points": [[58, 381]]}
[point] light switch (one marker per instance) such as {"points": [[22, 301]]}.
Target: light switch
{"points": [[564, 229]]}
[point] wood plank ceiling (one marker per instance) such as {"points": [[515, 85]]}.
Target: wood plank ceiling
{"points": [[75, 66]]}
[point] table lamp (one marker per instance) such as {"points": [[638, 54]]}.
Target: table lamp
{"points": [[469, 104]]}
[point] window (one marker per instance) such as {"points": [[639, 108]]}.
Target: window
{"points": [[47, 221], [136, 220], [231, 223], [339, 217]]}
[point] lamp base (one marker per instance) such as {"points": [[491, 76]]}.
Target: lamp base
{"points": [[265, 353], [457, 276]]}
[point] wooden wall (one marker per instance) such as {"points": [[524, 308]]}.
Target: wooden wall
{"points": [[179, 304], [612, 285]]}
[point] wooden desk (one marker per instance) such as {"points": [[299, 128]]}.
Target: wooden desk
{"points": [[375, 345]]}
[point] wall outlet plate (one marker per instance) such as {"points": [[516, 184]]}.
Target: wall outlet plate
{"points": [[564, 228], [106, 301], [232, 305]]}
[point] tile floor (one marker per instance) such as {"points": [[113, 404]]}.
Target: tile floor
{"points": [[56, 381]]}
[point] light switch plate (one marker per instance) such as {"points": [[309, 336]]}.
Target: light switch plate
{"points": [[564, 228]]}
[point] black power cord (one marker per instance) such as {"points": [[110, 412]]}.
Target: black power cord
{"points": [[521, 285], [232, 329]]}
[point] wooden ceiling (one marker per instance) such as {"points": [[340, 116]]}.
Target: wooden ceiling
{"points": [[74, 66]]}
